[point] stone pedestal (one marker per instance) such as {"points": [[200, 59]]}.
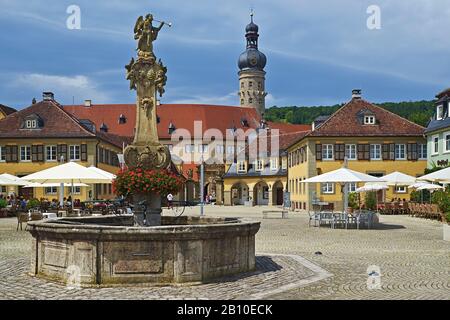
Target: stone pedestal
{"points": [[446, 231], [152, 216]]}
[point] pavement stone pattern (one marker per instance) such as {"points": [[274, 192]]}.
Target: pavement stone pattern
{"points": [[413, 260]]}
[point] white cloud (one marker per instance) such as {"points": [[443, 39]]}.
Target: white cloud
{"points": [[65, 88]]}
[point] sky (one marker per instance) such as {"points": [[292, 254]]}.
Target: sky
{"points": [[317, 51]]}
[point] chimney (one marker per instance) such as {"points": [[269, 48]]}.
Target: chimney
{"points": [[48, 96], [87, 103], [356, 94]]}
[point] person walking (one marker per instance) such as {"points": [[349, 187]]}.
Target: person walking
{"points": [[169, 201]]}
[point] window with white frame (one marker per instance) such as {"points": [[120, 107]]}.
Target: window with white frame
{"points": [[375, 152], [2, 154], [259, 165], [400, 152], [51, 190], [369, 119], [202, 148], [327, 188], [25, 153], [2, 189], [422, 151], [274, 164], [439, 112], [327, 152], [400, 189], [435, 144], [74, 153], [50, 152], [31, 124], [241, 166], [230, 149], [350, 151], [189, 148], [447, 142], [352, 187]]}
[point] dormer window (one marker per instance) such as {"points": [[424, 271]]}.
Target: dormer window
{"points": [[241, 166], [31, 124], [440, 112], [259, 165], [172, 128], [32, 121], [122, 119], [244, 122], [369, 119], [104, 127]]}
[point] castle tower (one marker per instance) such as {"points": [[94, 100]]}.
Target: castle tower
{"points": [[251, 72]]}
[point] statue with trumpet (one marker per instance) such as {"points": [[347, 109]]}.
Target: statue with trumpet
{"points": [[146, 33]]}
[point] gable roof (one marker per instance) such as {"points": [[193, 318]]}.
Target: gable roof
{"points": [[6, 110], [345, 122], [180, 115], [57, 123]]}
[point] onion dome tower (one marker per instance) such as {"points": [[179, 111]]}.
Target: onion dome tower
{"points": [[251, 65]]}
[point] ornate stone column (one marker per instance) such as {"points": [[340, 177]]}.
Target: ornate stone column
{"points": [[148, 77]]}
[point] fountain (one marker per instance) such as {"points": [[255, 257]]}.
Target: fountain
{"points": [[145, 247]]}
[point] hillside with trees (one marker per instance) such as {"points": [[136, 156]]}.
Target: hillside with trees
{"points": [[419, 112]]}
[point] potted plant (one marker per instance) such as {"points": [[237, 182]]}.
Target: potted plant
{"points": [[3, 211], [353, 203]]}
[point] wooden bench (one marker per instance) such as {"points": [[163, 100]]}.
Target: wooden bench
{"points": [[284, 213]]}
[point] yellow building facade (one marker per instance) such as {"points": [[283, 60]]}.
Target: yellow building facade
{"points": [[42, 136], [373, 140]]}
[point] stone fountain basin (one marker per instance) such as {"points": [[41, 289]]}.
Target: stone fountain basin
{"points": [[110, 250]]}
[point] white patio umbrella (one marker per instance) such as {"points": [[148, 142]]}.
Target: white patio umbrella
{"points": [[44, 185], [102, 172], [372, 187], [398, 179], [418, 184], [430, 186], [369, 187], [8, 182], [69, 172], [13, 180], [345, 176], [442, 175]]}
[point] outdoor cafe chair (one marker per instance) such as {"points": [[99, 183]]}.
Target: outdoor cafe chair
{"points": [[326, 218], [341, 219], [314, 216], [364, 218]]}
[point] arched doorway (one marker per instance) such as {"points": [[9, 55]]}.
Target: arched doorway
{"points": [[239, 193], [261, 194], [277, 193]]}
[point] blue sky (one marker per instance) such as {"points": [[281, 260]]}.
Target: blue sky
{"points": [[317, 50]]}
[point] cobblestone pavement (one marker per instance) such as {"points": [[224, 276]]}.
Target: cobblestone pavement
{"points": [[413, 259]]}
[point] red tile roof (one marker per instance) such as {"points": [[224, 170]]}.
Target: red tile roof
{"points": [[180, 115], [57, 123], [346, 122], [6, 110]]}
